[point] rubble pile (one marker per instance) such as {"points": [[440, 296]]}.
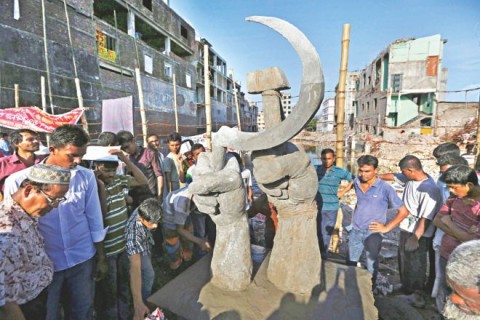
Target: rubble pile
{"points": [[389, 153]]}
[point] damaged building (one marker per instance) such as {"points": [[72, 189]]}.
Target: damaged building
{"points": [[103, 44], [402, 86]]}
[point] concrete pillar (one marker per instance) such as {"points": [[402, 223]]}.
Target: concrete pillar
{"points": [[131, 23], [168, 46]]}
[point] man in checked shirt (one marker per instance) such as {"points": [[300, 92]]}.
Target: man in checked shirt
{"points": [[139, 246]]}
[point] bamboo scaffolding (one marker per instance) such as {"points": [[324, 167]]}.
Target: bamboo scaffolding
{"points": [[17, 98], [208, 101], [77, 80], [341, 94], [143, 115], [236, 102], [175, 101], [45, 49], [44, 102]]}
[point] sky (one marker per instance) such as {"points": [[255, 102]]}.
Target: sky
{"points": [[249, 46]]}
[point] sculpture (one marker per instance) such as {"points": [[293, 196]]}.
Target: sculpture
{"points": [[283, 172]]}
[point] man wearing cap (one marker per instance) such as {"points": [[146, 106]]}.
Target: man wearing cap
{"points": [[25, 269], [74, 231]]}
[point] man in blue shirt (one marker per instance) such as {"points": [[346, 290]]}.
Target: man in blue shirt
{"points": [[73, 232], [369, 220], [329, 178]]}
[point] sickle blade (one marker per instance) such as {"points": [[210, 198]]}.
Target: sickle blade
{"points": [[310, 97]]}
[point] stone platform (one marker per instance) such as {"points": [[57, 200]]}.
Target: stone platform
{"points": [[344, 293]]}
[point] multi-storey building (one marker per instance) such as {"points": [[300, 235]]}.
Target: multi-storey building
{"points": [[111, 39], [350, 92], [402, 85], [326, 116], [222, 93], [260, 121], [287, 103]]}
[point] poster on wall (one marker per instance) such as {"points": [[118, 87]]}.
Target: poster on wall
{"points": [[117, 114]]}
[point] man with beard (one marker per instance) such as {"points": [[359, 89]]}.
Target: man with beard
{"points": [[463, 277], [25, 143]]}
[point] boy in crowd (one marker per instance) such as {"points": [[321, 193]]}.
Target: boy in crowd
{"points": [[112, 292], [197, 148], [173, 164], [146, 160], [178, 229], [139, 246]]}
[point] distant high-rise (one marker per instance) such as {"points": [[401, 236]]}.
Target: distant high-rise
{"points": [[287, 104], [326, 116]]}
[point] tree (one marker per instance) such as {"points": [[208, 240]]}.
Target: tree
{"points": [[312, 125]]}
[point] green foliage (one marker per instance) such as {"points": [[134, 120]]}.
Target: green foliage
{"points": [[312, 125]]}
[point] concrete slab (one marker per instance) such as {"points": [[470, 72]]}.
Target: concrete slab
{"points": [[343, 293]]}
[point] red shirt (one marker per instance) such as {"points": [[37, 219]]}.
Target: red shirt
{"points": [[464, 216], [12, 164]]}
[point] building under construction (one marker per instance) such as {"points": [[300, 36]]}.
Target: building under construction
{"points": [[115, 49]]}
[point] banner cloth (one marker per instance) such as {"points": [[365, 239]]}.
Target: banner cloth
{"points": [[35, 119]]}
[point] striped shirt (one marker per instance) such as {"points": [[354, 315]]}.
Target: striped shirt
{"points": [[328, 182], [139, 238], [117, 215]]}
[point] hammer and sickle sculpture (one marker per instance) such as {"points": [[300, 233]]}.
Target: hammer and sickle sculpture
{"points": [[282, 171]]}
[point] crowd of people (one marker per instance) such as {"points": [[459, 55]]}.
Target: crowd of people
{"points": [[436, 214], [77, 237]]}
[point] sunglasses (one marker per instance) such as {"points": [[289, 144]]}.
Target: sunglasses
{"points": [[51, 201]]}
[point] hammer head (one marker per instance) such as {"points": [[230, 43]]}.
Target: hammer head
{"points": [[267, 79]]}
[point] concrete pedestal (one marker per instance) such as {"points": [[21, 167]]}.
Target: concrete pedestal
{"points": [[343, 293]]}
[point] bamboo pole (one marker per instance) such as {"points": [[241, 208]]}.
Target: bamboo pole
{"points": [[341, 94], [44, 98], [77, 80], [44, 102], [236, 103], [208, 105], [17, 95], [175, 101], [45, 49], [143, 114], [80, 104], [16, 10], [478, 131]]}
